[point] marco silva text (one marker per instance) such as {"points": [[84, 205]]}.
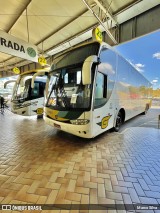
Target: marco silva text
{"points": [[147, 207]]}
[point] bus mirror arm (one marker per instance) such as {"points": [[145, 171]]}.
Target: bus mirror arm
{"points": [[34, 76], [86, 68], [8, 82], [40, 73]]}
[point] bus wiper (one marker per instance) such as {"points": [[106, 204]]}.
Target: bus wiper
{"points": [[64, 97]]}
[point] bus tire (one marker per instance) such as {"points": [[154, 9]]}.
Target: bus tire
{"points": [[146, 110], [119, 121], [39, 116]]}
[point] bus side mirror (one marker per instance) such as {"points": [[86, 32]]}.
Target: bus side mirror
{"points": [[8, 82], [86, 69], [39, 73]]}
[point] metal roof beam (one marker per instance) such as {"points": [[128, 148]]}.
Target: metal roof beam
{"points": [[20, 13], [126, 7], [106, 12], [107, 16]]}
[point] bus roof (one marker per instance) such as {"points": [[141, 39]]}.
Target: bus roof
{"points": [[36, 70]]}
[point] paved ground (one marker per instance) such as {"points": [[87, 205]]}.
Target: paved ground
{"points": [[149, 120], [39, 165]]}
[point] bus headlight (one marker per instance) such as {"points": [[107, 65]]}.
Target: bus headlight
{"points": [[79, 121]]}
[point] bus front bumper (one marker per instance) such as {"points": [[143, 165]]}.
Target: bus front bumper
{"points": [[83, 131]]}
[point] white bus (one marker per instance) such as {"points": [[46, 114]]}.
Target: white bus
{"points": [[28, 93], [92, 89]]}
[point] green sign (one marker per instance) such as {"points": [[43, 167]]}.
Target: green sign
{"points": [[31, 52]]}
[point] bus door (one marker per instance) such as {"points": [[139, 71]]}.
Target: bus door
{"points": [[22, 106], [103, 108], [37, 97], [38, 92]]}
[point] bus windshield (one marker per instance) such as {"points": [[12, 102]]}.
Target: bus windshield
{"points": [[66, 91], [23, 90]]}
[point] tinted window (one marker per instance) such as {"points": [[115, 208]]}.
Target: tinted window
{"points": [[38, 90], [108, 67], [100, 90], [76, 56]]}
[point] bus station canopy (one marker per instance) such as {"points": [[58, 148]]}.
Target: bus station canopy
{"points": [[56, 25]]}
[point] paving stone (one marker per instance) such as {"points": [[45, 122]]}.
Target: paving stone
{"points": [[124, 172], [156, 183], [129, 169], [156, 167], [84, 199], [139, 189], [119, 175], [143, 184], [134, 196], [105, 201], [154, 171], [73, 196], [122, 206], [101, 190], [157, 177], [148, 179], [131, 179], [33, 187], [82, 190], [93, 196], [120, 189], [108, 185], [91, 185], [125, 183], [114, 195], [114, 179], [127, 200], [152, 194], [139, 171], [134, 175], [154, 188], [148, 200]]}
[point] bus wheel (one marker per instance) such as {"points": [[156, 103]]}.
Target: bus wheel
{"points": [[146, 110], [118, 122], [39, 116]]}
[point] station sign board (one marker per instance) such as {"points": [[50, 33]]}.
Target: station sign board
{"points": [[17, 47], [97, 35], [16, 70], [42, 61]]}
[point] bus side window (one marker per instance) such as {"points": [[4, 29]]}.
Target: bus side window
{"points": [[41, 89], [35, 91], [108, 67], [100, 90], [26, 89]]}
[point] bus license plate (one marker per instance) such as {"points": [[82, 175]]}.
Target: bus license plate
{"points": [[57, 126]]}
